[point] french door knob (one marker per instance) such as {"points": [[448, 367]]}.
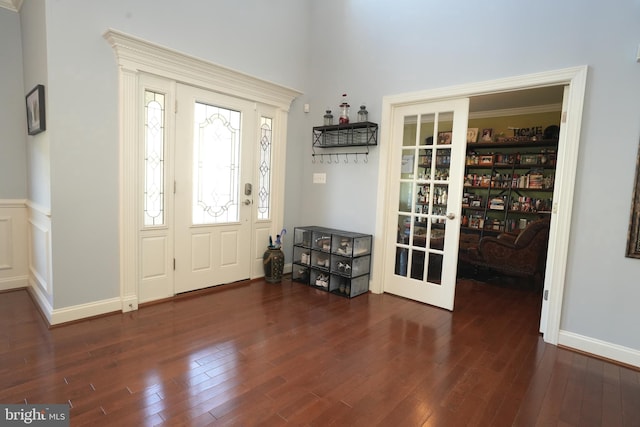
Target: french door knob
{"points": [[247, 202], [451, 215]]}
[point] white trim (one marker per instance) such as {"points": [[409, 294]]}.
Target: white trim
{"points": [[16, 282], [82, 311], [41, 299], [13, 203], [565, 177], [13, 244], [140, 55], [600, 348], [76, 312], [40, 255], [134, 56], [528, 81], [12, 5], [39, 208]]}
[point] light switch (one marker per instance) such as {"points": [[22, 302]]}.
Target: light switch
{"points": [[319, 178]]}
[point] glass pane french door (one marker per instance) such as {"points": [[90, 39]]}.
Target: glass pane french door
{"points": [[429, 142]]}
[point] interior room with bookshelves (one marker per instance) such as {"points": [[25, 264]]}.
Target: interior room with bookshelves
{"points": [[510, 170]]}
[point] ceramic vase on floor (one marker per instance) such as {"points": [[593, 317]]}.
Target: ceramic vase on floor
{"points": [[273, 262]]}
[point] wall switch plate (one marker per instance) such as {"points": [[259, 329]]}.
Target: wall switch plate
{"points": [[319, 178]]}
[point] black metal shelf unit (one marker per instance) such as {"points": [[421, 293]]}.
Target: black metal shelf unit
{"points": [[359, 134]]}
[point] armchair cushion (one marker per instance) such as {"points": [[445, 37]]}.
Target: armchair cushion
{"points": [[523, 255]]}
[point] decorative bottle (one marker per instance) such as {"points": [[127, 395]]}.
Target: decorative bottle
{"points": [[363, 114], [328, 118], [344, 110]]}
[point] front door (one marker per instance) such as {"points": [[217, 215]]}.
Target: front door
{"points": [[428, 155], [213, 188]]}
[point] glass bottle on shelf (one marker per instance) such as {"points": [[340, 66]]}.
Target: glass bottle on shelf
{"points": [[344, 110], [328, 118], [363, 114]]}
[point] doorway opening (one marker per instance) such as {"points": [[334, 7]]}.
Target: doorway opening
{"points": [[510, 167], [574, 81]]}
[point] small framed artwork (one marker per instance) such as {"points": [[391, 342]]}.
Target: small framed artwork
{"points": [[487, 135], [472, 135], [486, 160], [407, 164], [36, 122], [633, 235], [444, 137]]}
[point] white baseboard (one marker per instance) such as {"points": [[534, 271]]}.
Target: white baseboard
{"points": [[76, 312], [599, 348], [14, 283], [82, 311], [41, 300]]}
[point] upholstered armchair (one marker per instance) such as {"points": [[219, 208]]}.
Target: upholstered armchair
{"points": [[521, 255]]}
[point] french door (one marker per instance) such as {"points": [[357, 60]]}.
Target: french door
{"points": [[428, 155], [215, 137]]}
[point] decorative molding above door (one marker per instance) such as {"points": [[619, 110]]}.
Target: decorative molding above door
{"points": [[13, 5]]}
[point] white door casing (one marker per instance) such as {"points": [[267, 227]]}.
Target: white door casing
{"points": [[575, 78], [425, 197], [135, 57]]}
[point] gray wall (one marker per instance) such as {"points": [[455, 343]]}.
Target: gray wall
{"points": [[372, 49], [13, 148], [369, 50], [265, 39], [34, 46]]}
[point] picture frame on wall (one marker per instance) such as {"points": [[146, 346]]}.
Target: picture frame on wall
{"points": [[633, 235], [472, 135], [36, 121], [444, 137], [487, 135]]}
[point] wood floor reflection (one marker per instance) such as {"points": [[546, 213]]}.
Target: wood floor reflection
{"points": [[286, 354]]}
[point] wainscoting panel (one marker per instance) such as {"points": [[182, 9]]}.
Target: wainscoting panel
{"points": [[262, 242], [156, 279], [40, 252], [6, 243], [13, 244], [229, 255], [154, 257]]}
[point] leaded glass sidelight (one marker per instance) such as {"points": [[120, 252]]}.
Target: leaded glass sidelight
{"points": [[264, 180], [154, 136], [216, 167]]}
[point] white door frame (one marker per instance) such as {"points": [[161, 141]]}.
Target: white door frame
{"points": [[136, 56], [575, 78]]}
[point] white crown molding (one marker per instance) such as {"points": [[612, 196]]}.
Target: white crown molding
{"points": [[13, 5], [140, 55]]}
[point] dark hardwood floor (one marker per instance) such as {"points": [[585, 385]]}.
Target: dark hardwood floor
{"points": [[285, 354]]}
